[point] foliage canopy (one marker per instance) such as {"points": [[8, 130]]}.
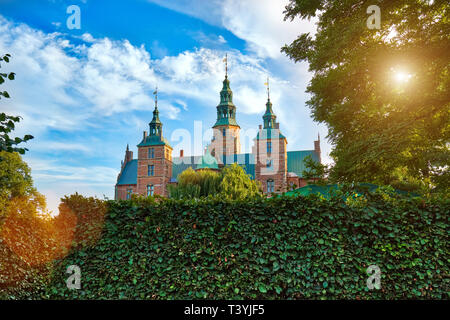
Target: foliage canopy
{"points": [[383, 130]]}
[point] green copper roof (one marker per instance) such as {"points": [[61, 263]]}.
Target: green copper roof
{"points": [[155, 119], [245, 160], [208, 162], [129, 173], [225, 122], [153, 141], [181, 164], [295, 161], [269, 117]]}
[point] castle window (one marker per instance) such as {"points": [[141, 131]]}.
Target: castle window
{"points": [[129, 192], [269, 164], [270, 186], [151, 153], [224, 132], [269, 147], [150, 190], [150, 170]]}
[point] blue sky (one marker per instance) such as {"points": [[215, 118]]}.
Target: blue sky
{"points": [[84, 94]]}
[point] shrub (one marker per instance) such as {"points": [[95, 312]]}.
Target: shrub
{"points": [[277, 248]]}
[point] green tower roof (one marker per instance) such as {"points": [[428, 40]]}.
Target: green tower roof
{"points": [[155, 135], [226, 110]]}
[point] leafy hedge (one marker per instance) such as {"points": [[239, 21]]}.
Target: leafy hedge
{"points": [[278, 248]]}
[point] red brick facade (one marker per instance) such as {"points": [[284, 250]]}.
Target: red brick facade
{"points": [[225, 141], [155, 179], [271, 164]]}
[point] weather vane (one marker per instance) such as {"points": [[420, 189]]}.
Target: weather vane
{"points": [[156, 96], [268, 90], [226, 65]]}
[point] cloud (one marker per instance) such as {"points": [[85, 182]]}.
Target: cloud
{"points": [[66, 146], [259, 22]]}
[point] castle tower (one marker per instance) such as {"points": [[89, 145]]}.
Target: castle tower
{"points": [[154, 158], [225, 141], [271, 153]]}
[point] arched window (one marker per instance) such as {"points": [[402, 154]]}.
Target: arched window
{"points": [[150, 190]]}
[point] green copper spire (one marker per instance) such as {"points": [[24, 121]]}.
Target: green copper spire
{"points": [[269, 117], [226, 110], [271, 129], [155, 136], [155, 124]]}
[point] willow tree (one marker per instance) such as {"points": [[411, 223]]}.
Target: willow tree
{"points": [[383, 92]]}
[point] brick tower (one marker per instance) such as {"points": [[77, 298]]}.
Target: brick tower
{"points": [[271, 153], [154, 159], [225, 141]]}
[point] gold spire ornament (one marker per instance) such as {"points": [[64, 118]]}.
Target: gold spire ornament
{"points": [[226, 64], [268, 90]]}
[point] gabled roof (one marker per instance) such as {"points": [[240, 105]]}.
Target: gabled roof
{"points": [[129, 173], [295, 160]]}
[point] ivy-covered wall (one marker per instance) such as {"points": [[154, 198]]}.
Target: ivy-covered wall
{"points": [[279, 248]]}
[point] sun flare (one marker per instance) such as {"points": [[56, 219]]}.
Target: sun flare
{"points": [[402, 76]]}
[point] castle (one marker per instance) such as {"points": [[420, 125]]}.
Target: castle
{"points": [[269, 162]]}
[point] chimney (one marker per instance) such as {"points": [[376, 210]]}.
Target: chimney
{"points": [[260, 127], [145, 134], [317, 148], [181, 153], [277, 125]]}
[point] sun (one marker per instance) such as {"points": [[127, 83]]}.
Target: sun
{"points": [[402, 76]]}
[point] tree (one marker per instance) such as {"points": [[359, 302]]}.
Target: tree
{"points": [[237, 184], [315, 172], [16, 186], [194, 184], [231, 183], [383, 93], [7, 122]]}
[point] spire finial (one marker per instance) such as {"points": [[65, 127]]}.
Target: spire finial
{"points": [[128, 148], [156, 97], [226, 65], [268, 89]]}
